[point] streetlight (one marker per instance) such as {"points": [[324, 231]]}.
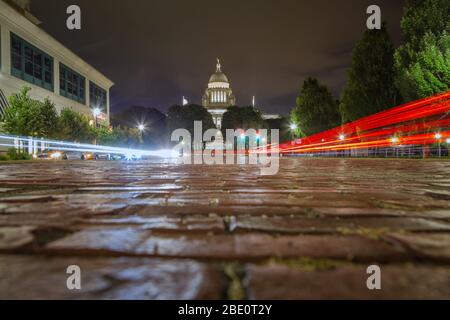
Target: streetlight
{"points": [[293, 126]]}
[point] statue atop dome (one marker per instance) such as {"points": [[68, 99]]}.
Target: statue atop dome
{"points": [[219, 66]]}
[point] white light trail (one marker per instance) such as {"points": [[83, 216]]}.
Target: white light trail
{"points": [[52, 145]]}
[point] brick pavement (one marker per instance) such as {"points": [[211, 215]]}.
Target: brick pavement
{"points": [[149, 230]]}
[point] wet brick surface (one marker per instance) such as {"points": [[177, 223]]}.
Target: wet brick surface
{"points": [[159, 230]]}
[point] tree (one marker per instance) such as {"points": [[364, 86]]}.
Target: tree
{"points": [[75, 127], [316, 109], [183, 117], [47, 119], [154, 121], [119, 137], [371, 79], [29, 117], [422, 62], [242, 118]]}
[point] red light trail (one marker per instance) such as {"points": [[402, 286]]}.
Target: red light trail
{"points": [[422, 122]]}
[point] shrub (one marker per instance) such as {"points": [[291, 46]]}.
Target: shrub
{"points": [[15, 155]]}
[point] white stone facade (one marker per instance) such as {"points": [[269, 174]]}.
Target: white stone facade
{"points": [[13, 22]]}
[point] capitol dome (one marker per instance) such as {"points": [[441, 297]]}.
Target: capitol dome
{"points": [[218, 77], [218, 96]]}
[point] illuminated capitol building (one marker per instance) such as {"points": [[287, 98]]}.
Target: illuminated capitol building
{"points": [[218, 96]]}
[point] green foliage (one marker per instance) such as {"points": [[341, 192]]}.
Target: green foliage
{"points": [[28, 117], [423, 61], [75, 127], [371, 85], [15, 155], [316, 109], [183, 117], [119, 136], [242, 118], [422, 17], [430, 73]]}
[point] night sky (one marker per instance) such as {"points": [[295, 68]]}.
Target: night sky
{"points": [[156, 51]]}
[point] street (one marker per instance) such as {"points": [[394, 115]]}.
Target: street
{"points": [[158, 230]]}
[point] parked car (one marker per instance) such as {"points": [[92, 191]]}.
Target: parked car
{"points": [[102, 156], [116, 157], [50, 155], [64, 155], [88, 156]]}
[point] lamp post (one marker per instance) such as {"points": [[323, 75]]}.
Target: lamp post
{"points": [[395, 140], [438, 137], [293, 128], [96, 112], [141, 128], [342, 138]]}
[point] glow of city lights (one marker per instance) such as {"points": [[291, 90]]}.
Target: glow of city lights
{"points": [[129, 156], [56, 155], [96, 112], [61, 146]]}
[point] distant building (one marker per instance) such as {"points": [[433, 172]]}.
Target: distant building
{"points": [[31, 57], [267, 116], [218, 96]]}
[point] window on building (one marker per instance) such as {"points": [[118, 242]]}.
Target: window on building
{"points": [[97, 97], [31, 64], [71, 84]]}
